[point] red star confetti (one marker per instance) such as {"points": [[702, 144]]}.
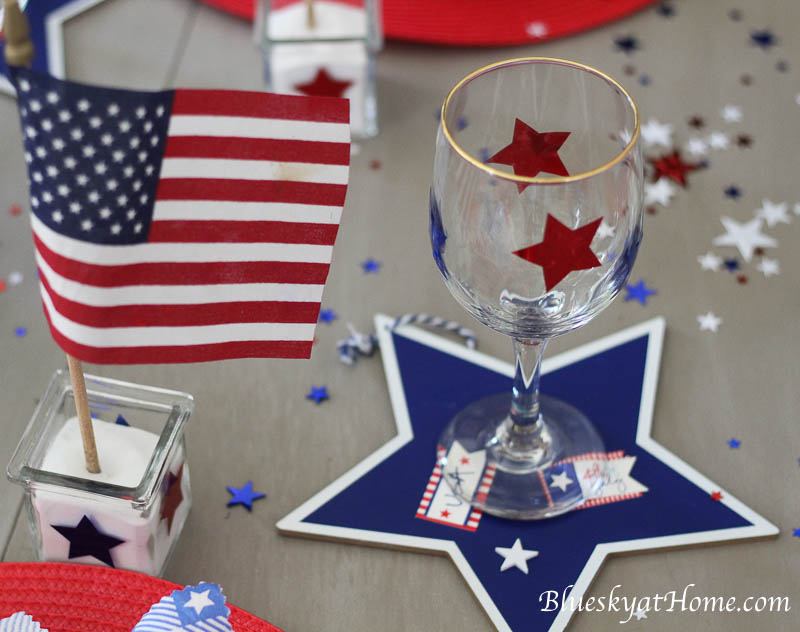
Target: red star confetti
{"points": [[323, 85], [2, 286], [673, 167], [562, 250], [531, 152], [15, 209]]}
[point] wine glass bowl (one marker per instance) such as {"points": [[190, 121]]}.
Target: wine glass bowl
{"points": [[535, 221]]}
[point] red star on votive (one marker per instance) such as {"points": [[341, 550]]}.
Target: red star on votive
{"points": [[671, 166], [716, 496], [173, 498], [445, 513], [562, 250], [530, 152], [323, 85]]}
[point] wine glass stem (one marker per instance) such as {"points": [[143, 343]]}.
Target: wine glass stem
{"points": [[525, 393]]}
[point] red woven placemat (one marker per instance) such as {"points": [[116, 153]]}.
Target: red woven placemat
{"points": [[82, 598], [483, 22]]}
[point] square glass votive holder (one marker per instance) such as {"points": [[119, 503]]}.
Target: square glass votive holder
{"points": [[131, 514], [324, 48]]}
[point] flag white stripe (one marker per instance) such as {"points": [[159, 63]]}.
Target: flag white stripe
{"points": [[174, 336], [177, 294], [232, 169], [246, 211], [247, 127], [101, 254]]}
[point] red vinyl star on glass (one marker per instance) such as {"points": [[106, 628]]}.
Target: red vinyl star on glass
{"points": [[323, 85], [173, 498], [562, 250], [672, 166], [531, 152]]}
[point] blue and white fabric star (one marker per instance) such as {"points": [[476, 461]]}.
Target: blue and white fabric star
{"points": [[20, 622], [194, 608]]}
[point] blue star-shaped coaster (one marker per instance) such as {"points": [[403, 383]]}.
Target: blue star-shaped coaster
{"points": [[318, 394], [244, 496], [46, 19], [20, 622], [380, 501], [639, 292]]}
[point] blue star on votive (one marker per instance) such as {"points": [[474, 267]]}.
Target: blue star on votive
{"points": [[731, 264], [244, 496], [627, 44], [639, 292], [733, 191], [318, 394], [734, 443], [763, 38], [327, 316], [371, 266]]}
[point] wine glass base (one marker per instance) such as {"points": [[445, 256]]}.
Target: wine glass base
{"points": [[521, 488]]}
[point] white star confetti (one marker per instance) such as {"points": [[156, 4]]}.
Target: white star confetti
{"points": [[656, 133], [746, 236], [515, 556], [718, 140], [697, 147], [15, 278], [770, 267], [661, 192], [709, 261], [773, 213], [604, 231], [709, 322], [732, 113]]}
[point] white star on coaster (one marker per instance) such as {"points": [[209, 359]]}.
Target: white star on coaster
{"points": [[774, 213], [732, 113], [718, 140], [198, 601], [661, 192], [770, 267], [709, 261], [746, 236], [562, 481], [697, 146], [709, 321], [640, 614], [515, 556], [656, 133]]}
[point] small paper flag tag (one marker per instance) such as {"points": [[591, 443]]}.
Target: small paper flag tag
{"points": [[20, 622], [200, 607]]}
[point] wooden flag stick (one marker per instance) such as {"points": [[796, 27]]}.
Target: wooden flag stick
{"points": [[310, 14], [19, 52], [84, 416]]}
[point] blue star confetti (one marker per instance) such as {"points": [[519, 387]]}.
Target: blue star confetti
{"points": [[121, 421], [735, 15], [627, 44], [639, 292], [462, 123], [327, 316], [318, 394], [796, 533], [665, 9], [731, 264], [438, 236], [733, 192], [763, 39], [244, 496], [734, 443], [782, 66], [644, 80], [483, 154], [21, 332], [371, 266]]}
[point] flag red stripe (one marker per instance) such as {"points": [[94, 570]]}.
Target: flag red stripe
{"points": [[261, 105], [251, 191], [242, 232], [183, 315], [178, 273], [323, 153], [181, 354]]}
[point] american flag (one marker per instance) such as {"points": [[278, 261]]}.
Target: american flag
{"points": [[182, 225]]}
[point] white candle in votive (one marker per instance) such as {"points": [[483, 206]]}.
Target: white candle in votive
{"points": [[297, 64], [124, 454]]}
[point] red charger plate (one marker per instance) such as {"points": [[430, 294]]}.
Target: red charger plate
{"points": [[83, 598]]}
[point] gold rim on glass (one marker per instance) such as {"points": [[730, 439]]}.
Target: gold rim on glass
{"points": [[535, 179]]}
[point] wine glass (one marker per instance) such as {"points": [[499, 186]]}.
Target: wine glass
{"points": [[535, 220]]}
